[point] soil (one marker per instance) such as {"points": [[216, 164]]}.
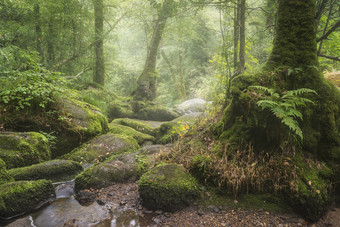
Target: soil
{"points": [[125, 196]]}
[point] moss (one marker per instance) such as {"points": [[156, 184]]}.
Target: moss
{"points": [[199, 167], [165, 133], [55, 170], [102, 147], [311, 195], [137, 125], [4, 176], [156, 113], [120, 108], [126, 130], [23, 149], [121, 168], [21, 197], [167, 187]]}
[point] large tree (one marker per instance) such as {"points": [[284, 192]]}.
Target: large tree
{"points": [[146, 84], [293, 64], [99, 72]]}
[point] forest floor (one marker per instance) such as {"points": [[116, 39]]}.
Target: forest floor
{"points": [[125, 196]]}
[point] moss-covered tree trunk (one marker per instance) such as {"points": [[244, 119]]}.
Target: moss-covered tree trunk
{"points": [[293, 64], [99, 72], [146, 84]]}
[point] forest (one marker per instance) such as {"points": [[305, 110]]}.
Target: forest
{"points": [[169, 113]]}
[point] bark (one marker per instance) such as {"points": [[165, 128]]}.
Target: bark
{"points": [[242, 36], [99, 72], [50, 46], [236, 34], [38, 30], [146, 83]]}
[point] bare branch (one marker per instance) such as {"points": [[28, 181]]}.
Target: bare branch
{"points": [[333, 28], [329, 57]]}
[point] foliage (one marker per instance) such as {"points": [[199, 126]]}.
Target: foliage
{"points": [[24, 82], [284, 106]]}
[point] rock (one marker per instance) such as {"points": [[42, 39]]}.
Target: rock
{"points": [[111, 194], [122, 168], [55, 170], [4, 176], [100, 148], [167, 187], [72, 223], [85, 197], [192, 106], [138, 125], [126, 130], [81, 123], [101, 202], [156, 113], [18, 149], [23, 196]]}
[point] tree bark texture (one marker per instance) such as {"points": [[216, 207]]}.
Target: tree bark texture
{"points": [[242, 36], [146, 84], [38, 30], [99, 72]]}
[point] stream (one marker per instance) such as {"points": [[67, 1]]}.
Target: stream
{"points": [[65, 208]]}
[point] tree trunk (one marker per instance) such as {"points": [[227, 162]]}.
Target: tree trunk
{"points": [[50, 46], [146, 84], [242, 36], [236, 34], [38, 30], [293, 64], [99, 72]]}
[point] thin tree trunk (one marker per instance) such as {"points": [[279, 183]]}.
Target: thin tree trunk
{"points": [[38, 30], [50, 46], [99, 72], [181, 75], [242, 36], [236, 34], [146, 84]]}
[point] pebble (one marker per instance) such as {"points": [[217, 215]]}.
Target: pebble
{"points": [[111, 194], [101, 202]]}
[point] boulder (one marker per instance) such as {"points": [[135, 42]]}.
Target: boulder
{"points": [[156, 113], [55, 170], [4, 176], [145, 127], [192, 106], [167, 187], [18, 149], [100, 148], [126, 130], [79, 123], [21, 197], [122, 168]]}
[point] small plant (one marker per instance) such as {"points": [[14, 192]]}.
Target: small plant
{"points": [[181, 129], [284, 106]]}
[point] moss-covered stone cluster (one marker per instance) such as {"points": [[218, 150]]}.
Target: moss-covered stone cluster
{"points": [[23, 196], [4, 176], [167, 187], [128, 131], [102, 147], [55, 170], [23, 149]]}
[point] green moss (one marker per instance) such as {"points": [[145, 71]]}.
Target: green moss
{"points": [[126, 130], [120, 108], [199, 166], [55, 170], [167, 187], [121, 168], [4, 176], [156, 113], [311, 195], [137, 125], [21, 197], [23, 149], [102, 147]]}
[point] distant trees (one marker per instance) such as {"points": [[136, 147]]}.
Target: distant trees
{"points": [[99, 71]]}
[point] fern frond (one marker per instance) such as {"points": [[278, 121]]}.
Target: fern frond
{"points": [[264, 103], [265, 89]]}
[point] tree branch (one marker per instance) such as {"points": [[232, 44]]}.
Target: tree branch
{"points": [[329, 57], [325, 36]]}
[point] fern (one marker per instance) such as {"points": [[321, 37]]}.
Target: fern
{"points": [[284, 106]]}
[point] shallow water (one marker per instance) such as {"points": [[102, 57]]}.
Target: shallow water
{"points": [[66, 208]]}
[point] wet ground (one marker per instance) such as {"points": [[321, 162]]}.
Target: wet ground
{"points": [[119, 205]]}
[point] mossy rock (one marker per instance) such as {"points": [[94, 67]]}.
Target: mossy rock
{"points": [[122, 168], [167, 187], [19, 149], [311, 196], [98, 96], [139, 125], [4, 176], [156, 113], [120, 108], [101, 147], [125, 130], [21, 197], [55, 170], [192, 106], [82, 123]]}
